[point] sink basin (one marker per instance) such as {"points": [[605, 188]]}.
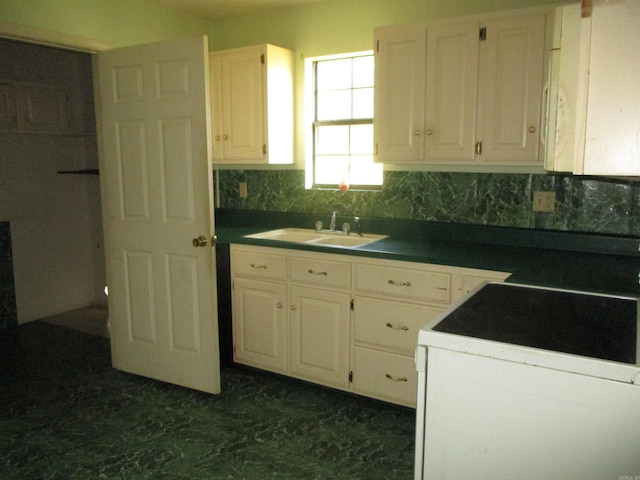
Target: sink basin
{"points": [[322, 237]]}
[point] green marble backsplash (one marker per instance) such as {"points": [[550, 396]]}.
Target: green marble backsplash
{"points": [[583, 204]]}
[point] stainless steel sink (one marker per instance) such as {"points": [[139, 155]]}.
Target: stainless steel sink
{"points": [[322, 237]]}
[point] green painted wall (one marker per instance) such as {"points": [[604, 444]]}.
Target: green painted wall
{"points": [[338, 26], [118, 22]]}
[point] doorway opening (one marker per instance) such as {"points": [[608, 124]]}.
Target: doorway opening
{"points": [[50, 191]]}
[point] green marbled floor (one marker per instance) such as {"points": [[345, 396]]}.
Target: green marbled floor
{"points": [[66, 414]]}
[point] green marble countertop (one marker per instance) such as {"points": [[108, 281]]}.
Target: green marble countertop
{"points": [[586, 262]]}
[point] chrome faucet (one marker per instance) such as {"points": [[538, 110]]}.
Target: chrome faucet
{"points": [[332, 225]]}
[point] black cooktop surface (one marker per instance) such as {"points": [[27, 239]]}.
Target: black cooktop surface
{"points": [[569, 322]]}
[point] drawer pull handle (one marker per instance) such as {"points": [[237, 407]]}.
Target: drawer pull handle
{"points": [[253, 265], [401, 327], [313, 272], [397, 379], [400, 284]]}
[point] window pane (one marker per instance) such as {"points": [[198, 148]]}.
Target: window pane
{"points": [[333, 74], [332, 140], [361, 142], [363, 71], [363, 103], [364, 171], [334, 105], [330, 170], [344, 93]]}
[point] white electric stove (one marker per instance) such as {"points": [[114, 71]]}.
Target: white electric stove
{"points": [[530, 383]]}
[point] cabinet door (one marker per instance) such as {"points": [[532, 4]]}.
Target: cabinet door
{"points": [[259, 324], [319, 323], [215, 88], [8, 107], [612, 134], [43, 109], [510, 89], [240, 127], [399, 94], [451, 92]]}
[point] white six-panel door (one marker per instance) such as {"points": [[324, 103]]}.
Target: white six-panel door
{"points": [[156, 192]]}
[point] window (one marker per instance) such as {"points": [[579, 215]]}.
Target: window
{"points": [[340, 152]]}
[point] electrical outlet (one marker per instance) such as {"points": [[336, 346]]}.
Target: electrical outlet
{"points": [[544, 202], [242, 189]]}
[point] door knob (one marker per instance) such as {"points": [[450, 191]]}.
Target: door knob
{"points": [[201, 241]]}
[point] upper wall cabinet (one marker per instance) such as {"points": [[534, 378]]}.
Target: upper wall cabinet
{"points": [[465, 92], [34, 108], [252, 105], [594, 96]]}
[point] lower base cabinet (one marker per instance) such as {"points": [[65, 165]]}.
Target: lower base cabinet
{"points": [[346, 322], [318, 335]]}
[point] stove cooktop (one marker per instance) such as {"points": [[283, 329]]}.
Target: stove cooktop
{"points": [[569, 322]]}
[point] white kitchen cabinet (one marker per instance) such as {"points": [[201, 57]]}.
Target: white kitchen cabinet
{"points": [[260, 324], [260, 310], [319, 323], [470, 278], [482, 92], [34, 108], [393, 300], [346, 322], [452, 92], [399, 94], [292, 313], [319, 318], [595, 91], [252, 105], [612, 136], [385, 335]]}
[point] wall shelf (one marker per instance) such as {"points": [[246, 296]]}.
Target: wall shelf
{"points": [[86, 171]]}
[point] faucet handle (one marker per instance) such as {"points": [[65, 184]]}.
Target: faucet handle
{"points": [[358, 223]]}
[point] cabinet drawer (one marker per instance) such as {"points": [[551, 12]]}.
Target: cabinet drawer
{"points": [[390, 325], [404, 282], [259, 264], [315, 271], [387, 376]]}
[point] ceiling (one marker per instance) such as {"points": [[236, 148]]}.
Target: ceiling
{"points": [[218, 9]]}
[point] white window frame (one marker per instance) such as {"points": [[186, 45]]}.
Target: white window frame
{"points": [[309, 115]]}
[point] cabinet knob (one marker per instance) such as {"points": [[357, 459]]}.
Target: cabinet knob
{"points": [[217, 137], [396, 379], [417, 133], [279, 305], [293, 307], [532, 129], [225, 137], [429, 132]]}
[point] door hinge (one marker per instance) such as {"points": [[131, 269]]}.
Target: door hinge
{"points": [[264, 148], [483, 34], [351, 377], [478, 148], [262, 59], [352, 304], [376, 153], [378, 46]]}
